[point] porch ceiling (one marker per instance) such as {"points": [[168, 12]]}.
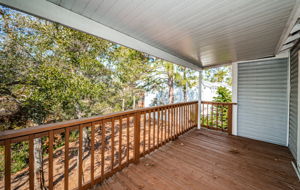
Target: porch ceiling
{"points": [[199, 31], [194, 33]]}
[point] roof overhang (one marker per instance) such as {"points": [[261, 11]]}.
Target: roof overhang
{"points": [[195, 33]]}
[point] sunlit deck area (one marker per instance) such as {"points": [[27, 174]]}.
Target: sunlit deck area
{"points": [[205, 159]]}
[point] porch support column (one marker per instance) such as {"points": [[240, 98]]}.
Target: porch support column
{"points": [[234, 73], [199, 99]]}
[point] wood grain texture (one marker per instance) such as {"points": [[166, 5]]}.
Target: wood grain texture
{"points": [[206, 159]]}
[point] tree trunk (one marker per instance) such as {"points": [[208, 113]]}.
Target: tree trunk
{"points": [[123, 104], [171, 90], [85, 139], [185, 93], [185, 87], [38, 165]]}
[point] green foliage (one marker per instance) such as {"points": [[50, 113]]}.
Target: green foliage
{"points": [[223, 95], [220, 74], [20, 155], [51, 73]]}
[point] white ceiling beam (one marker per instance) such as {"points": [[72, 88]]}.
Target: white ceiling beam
{"points": [[52, 12]]}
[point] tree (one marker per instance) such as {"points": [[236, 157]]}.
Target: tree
{"points": [[187, 79], [223, 95], [130, 68], [219, 74], [164, 75], [50, 73]]}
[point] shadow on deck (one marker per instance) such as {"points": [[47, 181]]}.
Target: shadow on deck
{"points": [[210, 160]]}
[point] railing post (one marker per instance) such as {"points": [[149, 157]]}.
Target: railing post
{"points": [[137, 137], [229, 119]]}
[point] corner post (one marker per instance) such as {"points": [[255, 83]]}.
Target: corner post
{"points": [[229, 119], [199, 100], [234, 97]]}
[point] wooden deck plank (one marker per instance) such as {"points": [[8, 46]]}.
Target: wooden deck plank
{"points": [[205, 159]]}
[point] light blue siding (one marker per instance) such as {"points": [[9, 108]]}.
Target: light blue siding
{"points": [[262, 100]]}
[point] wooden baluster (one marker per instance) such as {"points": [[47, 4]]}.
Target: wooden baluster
{"points": [[128, 138], [212, 116], [66, 169], [189, 116], [186, 117], [163, 125], [197, 114], [103, 145], [8, 164], [166, 123], [144, 133], [50, 161], [202, 123], [229, 119], [179, 119], [158, 127], [169, 123], [149, 130], [191, 121], [120, 142], [207, 116], [173, 123], [31, 162], [222, 113], [217, 119], [137, 137], [92, 154], [183, 118], [154, 120], [176, 120], [80, 157], [112, 144]]}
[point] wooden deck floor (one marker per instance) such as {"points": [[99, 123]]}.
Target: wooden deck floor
{"points": [[210, 160]]}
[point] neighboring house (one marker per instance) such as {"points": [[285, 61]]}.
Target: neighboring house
{"points": [[209, 91]]}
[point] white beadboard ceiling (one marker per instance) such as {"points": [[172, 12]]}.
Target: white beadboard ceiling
{"points": [[200, 32], [203, 32]]}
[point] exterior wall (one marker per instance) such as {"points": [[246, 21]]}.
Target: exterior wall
{"points": [[263, 100], [293, 116]]}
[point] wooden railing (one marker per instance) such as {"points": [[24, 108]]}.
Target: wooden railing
{"points": [[114, 141], [217, 116]]}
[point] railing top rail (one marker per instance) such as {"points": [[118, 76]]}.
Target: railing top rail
{"points": [[59, 125]]}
